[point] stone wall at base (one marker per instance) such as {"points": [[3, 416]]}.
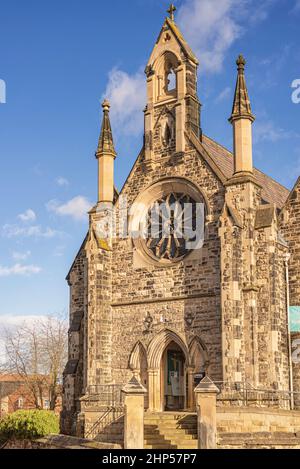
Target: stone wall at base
{"points": [[260, 440], [59, 442], [252, 420]]}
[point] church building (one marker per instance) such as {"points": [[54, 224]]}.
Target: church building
{"points": [[151, 305]]}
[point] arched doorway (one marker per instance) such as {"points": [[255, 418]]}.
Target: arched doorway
{"points": [[170, 370], [173, 378], [168, 361]]}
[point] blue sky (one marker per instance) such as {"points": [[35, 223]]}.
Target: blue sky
{"points": [[59, 58]]}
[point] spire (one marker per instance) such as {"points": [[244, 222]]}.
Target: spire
{"points": [[106, 143], [241, 104]]}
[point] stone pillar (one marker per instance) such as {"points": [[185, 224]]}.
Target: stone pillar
{"points": [[134, 415], [155, 404], [206, 405], [180, 127], [190, 396]]}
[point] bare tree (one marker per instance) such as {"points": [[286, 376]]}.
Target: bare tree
{"points": [[37, 352], [54, 341]]}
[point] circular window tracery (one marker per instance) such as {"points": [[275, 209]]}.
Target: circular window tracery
{"points": [[170, 226]]}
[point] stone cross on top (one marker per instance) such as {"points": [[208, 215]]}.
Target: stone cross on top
{"points": [[171, 11]]}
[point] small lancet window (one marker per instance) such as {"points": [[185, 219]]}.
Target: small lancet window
{"points": [[167, 136], [171, 80]]}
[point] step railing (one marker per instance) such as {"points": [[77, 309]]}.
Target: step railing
{"points": [[245, 394], [106, 419], [107, 394], [109, 399]]}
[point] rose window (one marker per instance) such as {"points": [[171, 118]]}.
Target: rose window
{"points": [[170, 226]]}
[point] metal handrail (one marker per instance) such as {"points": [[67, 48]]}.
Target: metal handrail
{"points": [[108, 417], [245, 394], [110, 394], [109, 399]]}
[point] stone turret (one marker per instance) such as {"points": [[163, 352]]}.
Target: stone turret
{"points": [[106, 155], [242, 120]]}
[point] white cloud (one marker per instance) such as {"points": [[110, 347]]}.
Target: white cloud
{"points": [[76, 208], [29, 215], [259, 11], [127, 96], [36, 231], [226, 93], [18, 269], [296, 7], [267, 131], [18, 320], [212, 26], [62, 182], [59, 251], [9, 322], [273, 65], [21, 256]]}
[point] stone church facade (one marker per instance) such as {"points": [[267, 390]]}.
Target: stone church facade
{"points": [[151, 308]]}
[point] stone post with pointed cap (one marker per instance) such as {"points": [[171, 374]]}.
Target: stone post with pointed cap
{"points": [[206, 405], [106, 155], [134, 414], [242, 120]]}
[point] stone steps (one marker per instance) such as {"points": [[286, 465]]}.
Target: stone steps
{"points": [[171, 430]]}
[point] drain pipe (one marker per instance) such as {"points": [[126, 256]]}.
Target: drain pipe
{"points": [[286, 263]]}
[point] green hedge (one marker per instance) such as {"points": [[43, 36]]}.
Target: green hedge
{"points": [[28, 424]]}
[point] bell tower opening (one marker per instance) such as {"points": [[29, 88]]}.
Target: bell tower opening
{"points": [[165, 69], [171, 80]]}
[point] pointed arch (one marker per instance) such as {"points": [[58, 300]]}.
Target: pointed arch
{"points": [[198, 353], [160, 342], [137, 356], [165, 68], [167, 60]]}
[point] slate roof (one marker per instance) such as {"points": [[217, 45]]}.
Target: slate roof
{"points": [[272, 192]]}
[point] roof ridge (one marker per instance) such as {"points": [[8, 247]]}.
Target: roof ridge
{"points": [[291, 192]]}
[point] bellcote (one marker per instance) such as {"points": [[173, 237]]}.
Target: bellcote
{"points": [[171, 56], [172, 102]]}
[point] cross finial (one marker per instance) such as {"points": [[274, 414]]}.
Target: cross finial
{"points": [[171, 11]]}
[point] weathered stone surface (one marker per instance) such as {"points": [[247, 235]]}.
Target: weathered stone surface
{"points": [[223, 306]]}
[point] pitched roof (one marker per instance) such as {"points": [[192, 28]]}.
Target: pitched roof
{"points": [[272, 191], [179, 36], [292, 193]]}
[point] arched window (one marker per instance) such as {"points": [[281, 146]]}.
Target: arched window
{"points": [[171, 81], [166, 75], [170, 78], [167, 136]]}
